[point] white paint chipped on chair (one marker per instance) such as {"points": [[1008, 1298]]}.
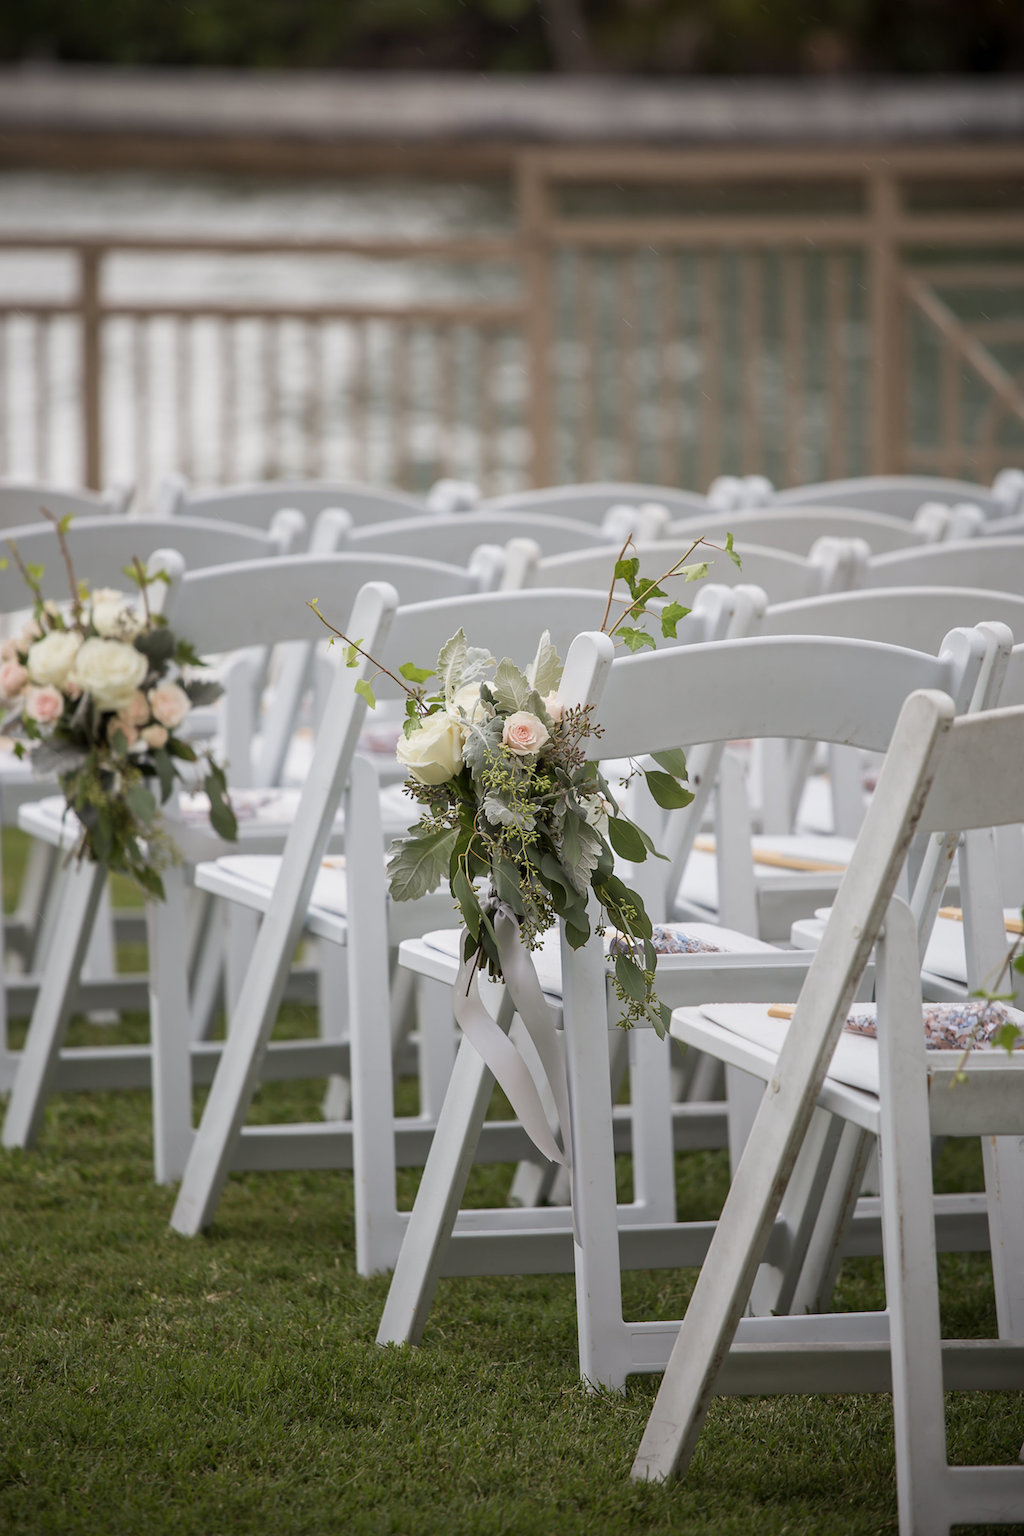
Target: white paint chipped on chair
{"points": [[941, 776]]}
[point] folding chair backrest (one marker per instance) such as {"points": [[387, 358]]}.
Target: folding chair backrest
{"points": [[997, 564], [797, 529], [899, 495], [830, 566], [917, 617], [256, 504], [590, 501], [454, 538], [24, 503]]}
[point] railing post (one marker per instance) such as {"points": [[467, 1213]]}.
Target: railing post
{"points": [[90, 258], [533, 199], [888, 449]]}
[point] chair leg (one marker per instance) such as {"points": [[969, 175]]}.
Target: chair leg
{"points": [[1004, 1184], [908, 1240], [82, 887], [448, 1165], [170, 1030]]}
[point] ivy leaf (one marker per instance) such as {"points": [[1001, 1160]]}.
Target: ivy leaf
{"points": [[1007, 1036], [413, 673], [625, 570], [693, 572], [733, 556], [65, 522], [418, 865], [670, 616], [365, 691], [545, 670], [673, 760], [645, 587], [636, 639], [666, 791]]}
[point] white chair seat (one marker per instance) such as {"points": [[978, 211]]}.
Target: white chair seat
{"points": [[759, 1038], [699, 884], [547, 958]]}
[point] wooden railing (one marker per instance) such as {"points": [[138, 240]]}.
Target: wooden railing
{"points": [[803, 315]]}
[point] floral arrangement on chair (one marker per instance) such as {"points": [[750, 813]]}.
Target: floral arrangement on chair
{"points": [[515, 816], [97, 695]]}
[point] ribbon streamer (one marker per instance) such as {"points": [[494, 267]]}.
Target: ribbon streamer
{"points": [[498, 1052]]}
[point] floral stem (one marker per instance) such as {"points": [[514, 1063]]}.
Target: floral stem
{"points": [[140, 576], [611, 588], [414, 693], [76, 601], [636, 605], [30, 582]]}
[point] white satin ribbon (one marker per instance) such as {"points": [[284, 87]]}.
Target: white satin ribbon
{"points": [[498, 1052]]}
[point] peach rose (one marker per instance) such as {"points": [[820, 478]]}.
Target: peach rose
{"points": [[170, 704], [44, 705], [13, 678], [524, 734], [554, 707], [136, 711], [154, 736]]}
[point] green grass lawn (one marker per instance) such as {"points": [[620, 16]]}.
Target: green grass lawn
{"points": [[231, 1383]]}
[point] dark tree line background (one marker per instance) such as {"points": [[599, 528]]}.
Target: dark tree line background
{"points": [[573, 36]]}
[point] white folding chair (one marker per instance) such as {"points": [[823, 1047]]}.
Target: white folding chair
{"points": [[797, 529], [647, 703], [256, 504], [219, 610], [509, 623], [22, 502], [996, 564], [831, 566], [590, 501], [454, 538], [902, 495], [940, 776]]}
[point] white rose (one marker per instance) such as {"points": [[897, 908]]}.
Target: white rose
{"points": [[524, 734], [467, 705], [434, 752], [110, 671], [50, 659], [113, 617], [554, 707]]}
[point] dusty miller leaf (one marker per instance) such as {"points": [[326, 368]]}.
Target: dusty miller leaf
{"points": [[581, 851], [510, 688], [545, 670], [418, 865]]}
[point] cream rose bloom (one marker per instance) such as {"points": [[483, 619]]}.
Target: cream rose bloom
{"points": [[154, 736], [170, 704], [433, 753], [524, 734], [51, 659], [554, 707], [467, 706], [110, 671], [113, 617]]}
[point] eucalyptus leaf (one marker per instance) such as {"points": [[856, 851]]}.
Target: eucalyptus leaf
{"points": [[140, 802], [666, 791], [673, 760], [630, 978], [625, 838]]}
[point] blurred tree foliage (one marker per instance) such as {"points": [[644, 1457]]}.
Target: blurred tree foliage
{"points": [[628, 36]]}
